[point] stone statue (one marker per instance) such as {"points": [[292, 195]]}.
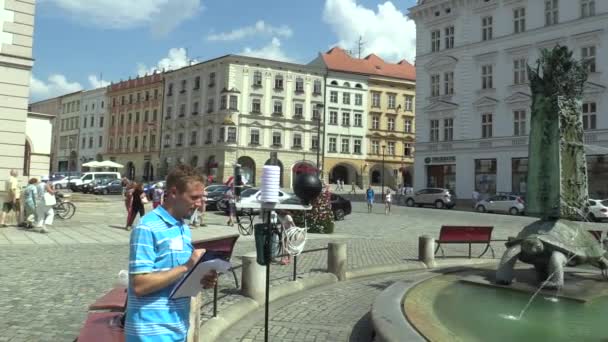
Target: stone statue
{"points": [[557, 175]]}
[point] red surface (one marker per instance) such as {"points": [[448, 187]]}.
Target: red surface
{"points": [[102, 327], [338, 59], [223, 244], [465, 234], [113, 300]]}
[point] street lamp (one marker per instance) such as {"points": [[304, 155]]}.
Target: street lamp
{"points": [[319, 110], [383, 148]]}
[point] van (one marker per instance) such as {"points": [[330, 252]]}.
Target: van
{"points": [[89, 177]]}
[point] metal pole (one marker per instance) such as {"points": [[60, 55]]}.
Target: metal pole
{"points": [[318, 140], [295, 265], [215, 300], [267, 253], [383, 147]]}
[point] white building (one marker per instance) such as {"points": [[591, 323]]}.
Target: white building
{"points": [[241, 109], [92, 124], [68, 125], [39, 131], [473, 99], [16, 41]]}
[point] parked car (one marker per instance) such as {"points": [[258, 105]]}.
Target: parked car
{"points": [[89, 187], [340, 206], [88, 177], [62, 183], [511, 204], [438, 197], [112, 187], [598, 210], [215, 193]]}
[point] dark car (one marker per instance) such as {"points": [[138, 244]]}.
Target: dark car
{"points": [[215, 193], [113, 187], [89, 187], [340, 206]]}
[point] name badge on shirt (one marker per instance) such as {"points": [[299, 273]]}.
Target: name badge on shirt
{"points": [[177, 244]]}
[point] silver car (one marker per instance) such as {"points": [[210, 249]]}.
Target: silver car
{"points": [[511, 204], [438, 197]]}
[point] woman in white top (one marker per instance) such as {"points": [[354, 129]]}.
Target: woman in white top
{"points": [[387, 202]]}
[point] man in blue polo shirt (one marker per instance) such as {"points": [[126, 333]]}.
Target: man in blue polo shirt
{"points": [[161, 253]]}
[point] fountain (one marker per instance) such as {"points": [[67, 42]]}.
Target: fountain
{"points": [[560, 298]]}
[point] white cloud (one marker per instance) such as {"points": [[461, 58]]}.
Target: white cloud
{"points": [[55, 85], [271, 51], [97, 83], [176, 59], [387, 32], [259, 28], [161, 15]]}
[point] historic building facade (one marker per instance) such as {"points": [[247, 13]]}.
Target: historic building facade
{"points": [[49, 108], [16, 41], [134, 125], [237, 109], [68, 131], [92, 125], [473, 96]]}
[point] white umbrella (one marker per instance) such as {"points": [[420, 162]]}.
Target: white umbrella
{"points": [[93, 163], [595, 150], [109, 163]]}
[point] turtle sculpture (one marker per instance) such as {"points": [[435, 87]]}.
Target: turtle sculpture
{"points": [[549, 246]]}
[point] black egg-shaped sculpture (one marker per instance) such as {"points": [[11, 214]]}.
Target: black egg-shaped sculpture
{"points": [[307, 187]]}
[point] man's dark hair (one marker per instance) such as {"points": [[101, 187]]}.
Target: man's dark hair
{"points": [[181, 176]]}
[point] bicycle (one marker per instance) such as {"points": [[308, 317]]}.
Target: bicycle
{"points": [[63, 209]]}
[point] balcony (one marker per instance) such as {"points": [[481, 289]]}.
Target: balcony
{"points": [[298, 116], [257, 112], [277, 114], [194, 113]]}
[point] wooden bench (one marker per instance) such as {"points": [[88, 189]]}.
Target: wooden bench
{"points": [[465, 234], [222, 246], [102, 327], [115, 300]]}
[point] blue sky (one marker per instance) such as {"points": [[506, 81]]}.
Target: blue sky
{"points": [[76, 41]]}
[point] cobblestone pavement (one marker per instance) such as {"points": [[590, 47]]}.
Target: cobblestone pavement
{"points": [[336, 313], [48, 281]]}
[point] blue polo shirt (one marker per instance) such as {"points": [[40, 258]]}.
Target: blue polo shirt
{"points": [[158, 243]]}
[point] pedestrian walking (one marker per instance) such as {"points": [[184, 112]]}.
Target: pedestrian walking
{"points": [[475, 197], [12, 202], [370, 198], [230, 198], [44, 206], [137, 201], [353, 190], [287, 223], [388, 198], [160, 254], [30, 195], [157, 195]]}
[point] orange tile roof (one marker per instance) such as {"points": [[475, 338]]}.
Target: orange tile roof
{"points": [[338, 60]]}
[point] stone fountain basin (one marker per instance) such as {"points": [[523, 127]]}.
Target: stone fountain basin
{"points": [[465, 305]]}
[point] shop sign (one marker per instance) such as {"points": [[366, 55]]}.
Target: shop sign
{"points": [[440, 160]]}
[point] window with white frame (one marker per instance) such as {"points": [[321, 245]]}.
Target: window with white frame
{"points": [[376, 99], [120, 143], [519, 71], [407, 150], [333, 117], [346, 98], [222, 137], [278, 107], [180, 139], [449, 37], [409, 101], [448, 129], [183, 90], [587, 8], [91, 142], [278, 82], [209, 138], [519, 123], [212, 79], [193, 138], [487, 28], [276, 138], [100, 142], [146, 116], [317, 87], [182, 110], [298, 110], [448, 83], [486, 125], [314, 142], [233, 102], [346, 119], [256, 106], [358, 99], [254, 136], [257, 79], [376, 122], [519, 20], [375, 147], [299, 85], [152, 141], [392, 101], [167, 140], [135, 143], [316, 112], [197, 85], [435, 40], [435, 84], [297, 140], [588, 57], [391, 123], [357, 146], [589, 115], [358, 120], [223, 102], [434, 132], [407, 124], [144, 142], [333, 141], [487, 81], [231, 134], [390, 148], [333, 96], [345, 145], [551, 12]]}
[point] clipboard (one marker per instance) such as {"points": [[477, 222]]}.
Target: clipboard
{"points": [[189, 285]]}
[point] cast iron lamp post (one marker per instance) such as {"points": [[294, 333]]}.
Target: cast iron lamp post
{"points": [[383, 148], [319, 110]]}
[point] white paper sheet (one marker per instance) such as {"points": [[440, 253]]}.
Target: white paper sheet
{"points": [[190, 285]]}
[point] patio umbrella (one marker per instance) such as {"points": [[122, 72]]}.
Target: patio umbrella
{"points": [[93, 163], [109, 163]]}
